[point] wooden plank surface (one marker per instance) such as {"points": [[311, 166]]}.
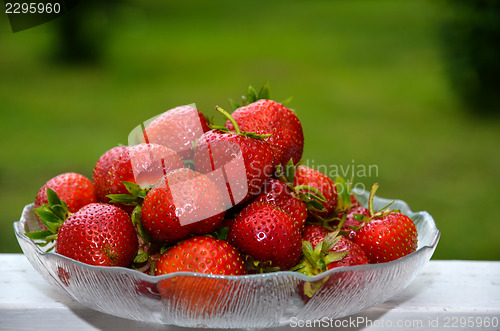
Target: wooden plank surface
{"points": [[446, 295]]}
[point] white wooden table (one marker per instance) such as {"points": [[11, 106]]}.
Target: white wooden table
{"points": [[447, 295]]}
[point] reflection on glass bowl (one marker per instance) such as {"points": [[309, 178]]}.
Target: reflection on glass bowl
{"points": [[200, 300]]}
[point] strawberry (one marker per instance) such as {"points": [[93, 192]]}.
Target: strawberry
{"points": [[355, 219], [75, 189], [196, 295], [143, 164], [277, 193], [267, 234], [355, 255], [269, 117], [183, 202], [314, 234], [98, 234], [311, 177], [388, 235], [201, 254], [327, 250], [238, 162], [295, 200], [177, 129], [387, 238]]}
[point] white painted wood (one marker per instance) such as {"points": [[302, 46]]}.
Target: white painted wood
{"points": [[445, 296]]}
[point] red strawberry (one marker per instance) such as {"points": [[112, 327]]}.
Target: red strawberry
{"points": [[142, 164], [266, 233], [270, 117], [238, 162], [74, 189], [314, 234], [279, 194], [196, 295], [110, 170], [324, 251], [388, 236], [201, 254], [312, 177], [355, 255], [177, 129], [327, 250], [98, 234], [183, 202]]}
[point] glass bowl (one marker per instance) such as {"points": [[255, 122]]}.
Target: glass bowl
{"points": [[262, 300]]}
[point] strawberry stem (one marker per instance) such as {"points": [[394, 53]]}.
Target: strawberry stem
{"points": [[237, 129], [230, 118], [370, 198]]}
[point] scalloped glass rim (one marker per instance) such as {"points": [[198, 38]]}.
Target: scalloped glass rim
{"points": [[263, 300]]}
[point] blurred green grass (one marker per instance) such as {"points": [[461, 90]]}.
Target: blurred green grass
{"points": [[367, 80]]}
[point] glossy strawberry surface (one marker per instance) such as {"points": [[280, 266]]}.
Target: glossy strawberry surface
{"points": [[270, 117], [74, 189], [277, 193], [238, 164], [387, 238], [177, 129], [98, 234], [183, 202], [201, 254], [266, 233]]}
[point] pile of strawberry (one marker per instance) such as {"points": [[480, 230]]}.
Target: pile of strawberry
{"points": [[227, 200]]}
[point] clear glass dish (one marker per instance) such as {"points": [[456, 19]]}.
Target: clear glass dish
{"points": [[199, 300]]}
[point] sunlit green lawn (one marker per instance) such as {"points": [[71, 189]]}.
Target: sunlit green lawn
{"points": [[366, 77]]}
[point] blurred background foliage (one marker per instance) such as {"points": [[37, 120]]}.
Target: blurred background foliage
{"points": [[406, 86]]}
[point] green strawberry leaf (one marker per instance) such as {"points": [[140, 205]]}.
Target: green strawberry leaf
{"points": [[330, 240], [39, 235], [287, 101], [316, 206], [234, 105], [221, 233], [361, 218], [308, 251], [52, 197], [264, 92], [344, 194], [142, 257], [137, 221], [315, 197], [321, 264], [133, 188], [46, 216], [278, 172], [290, 171], [252, 95], [164, 248], [334, 257], [317, 193], [124, 199], [60, 211]]}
